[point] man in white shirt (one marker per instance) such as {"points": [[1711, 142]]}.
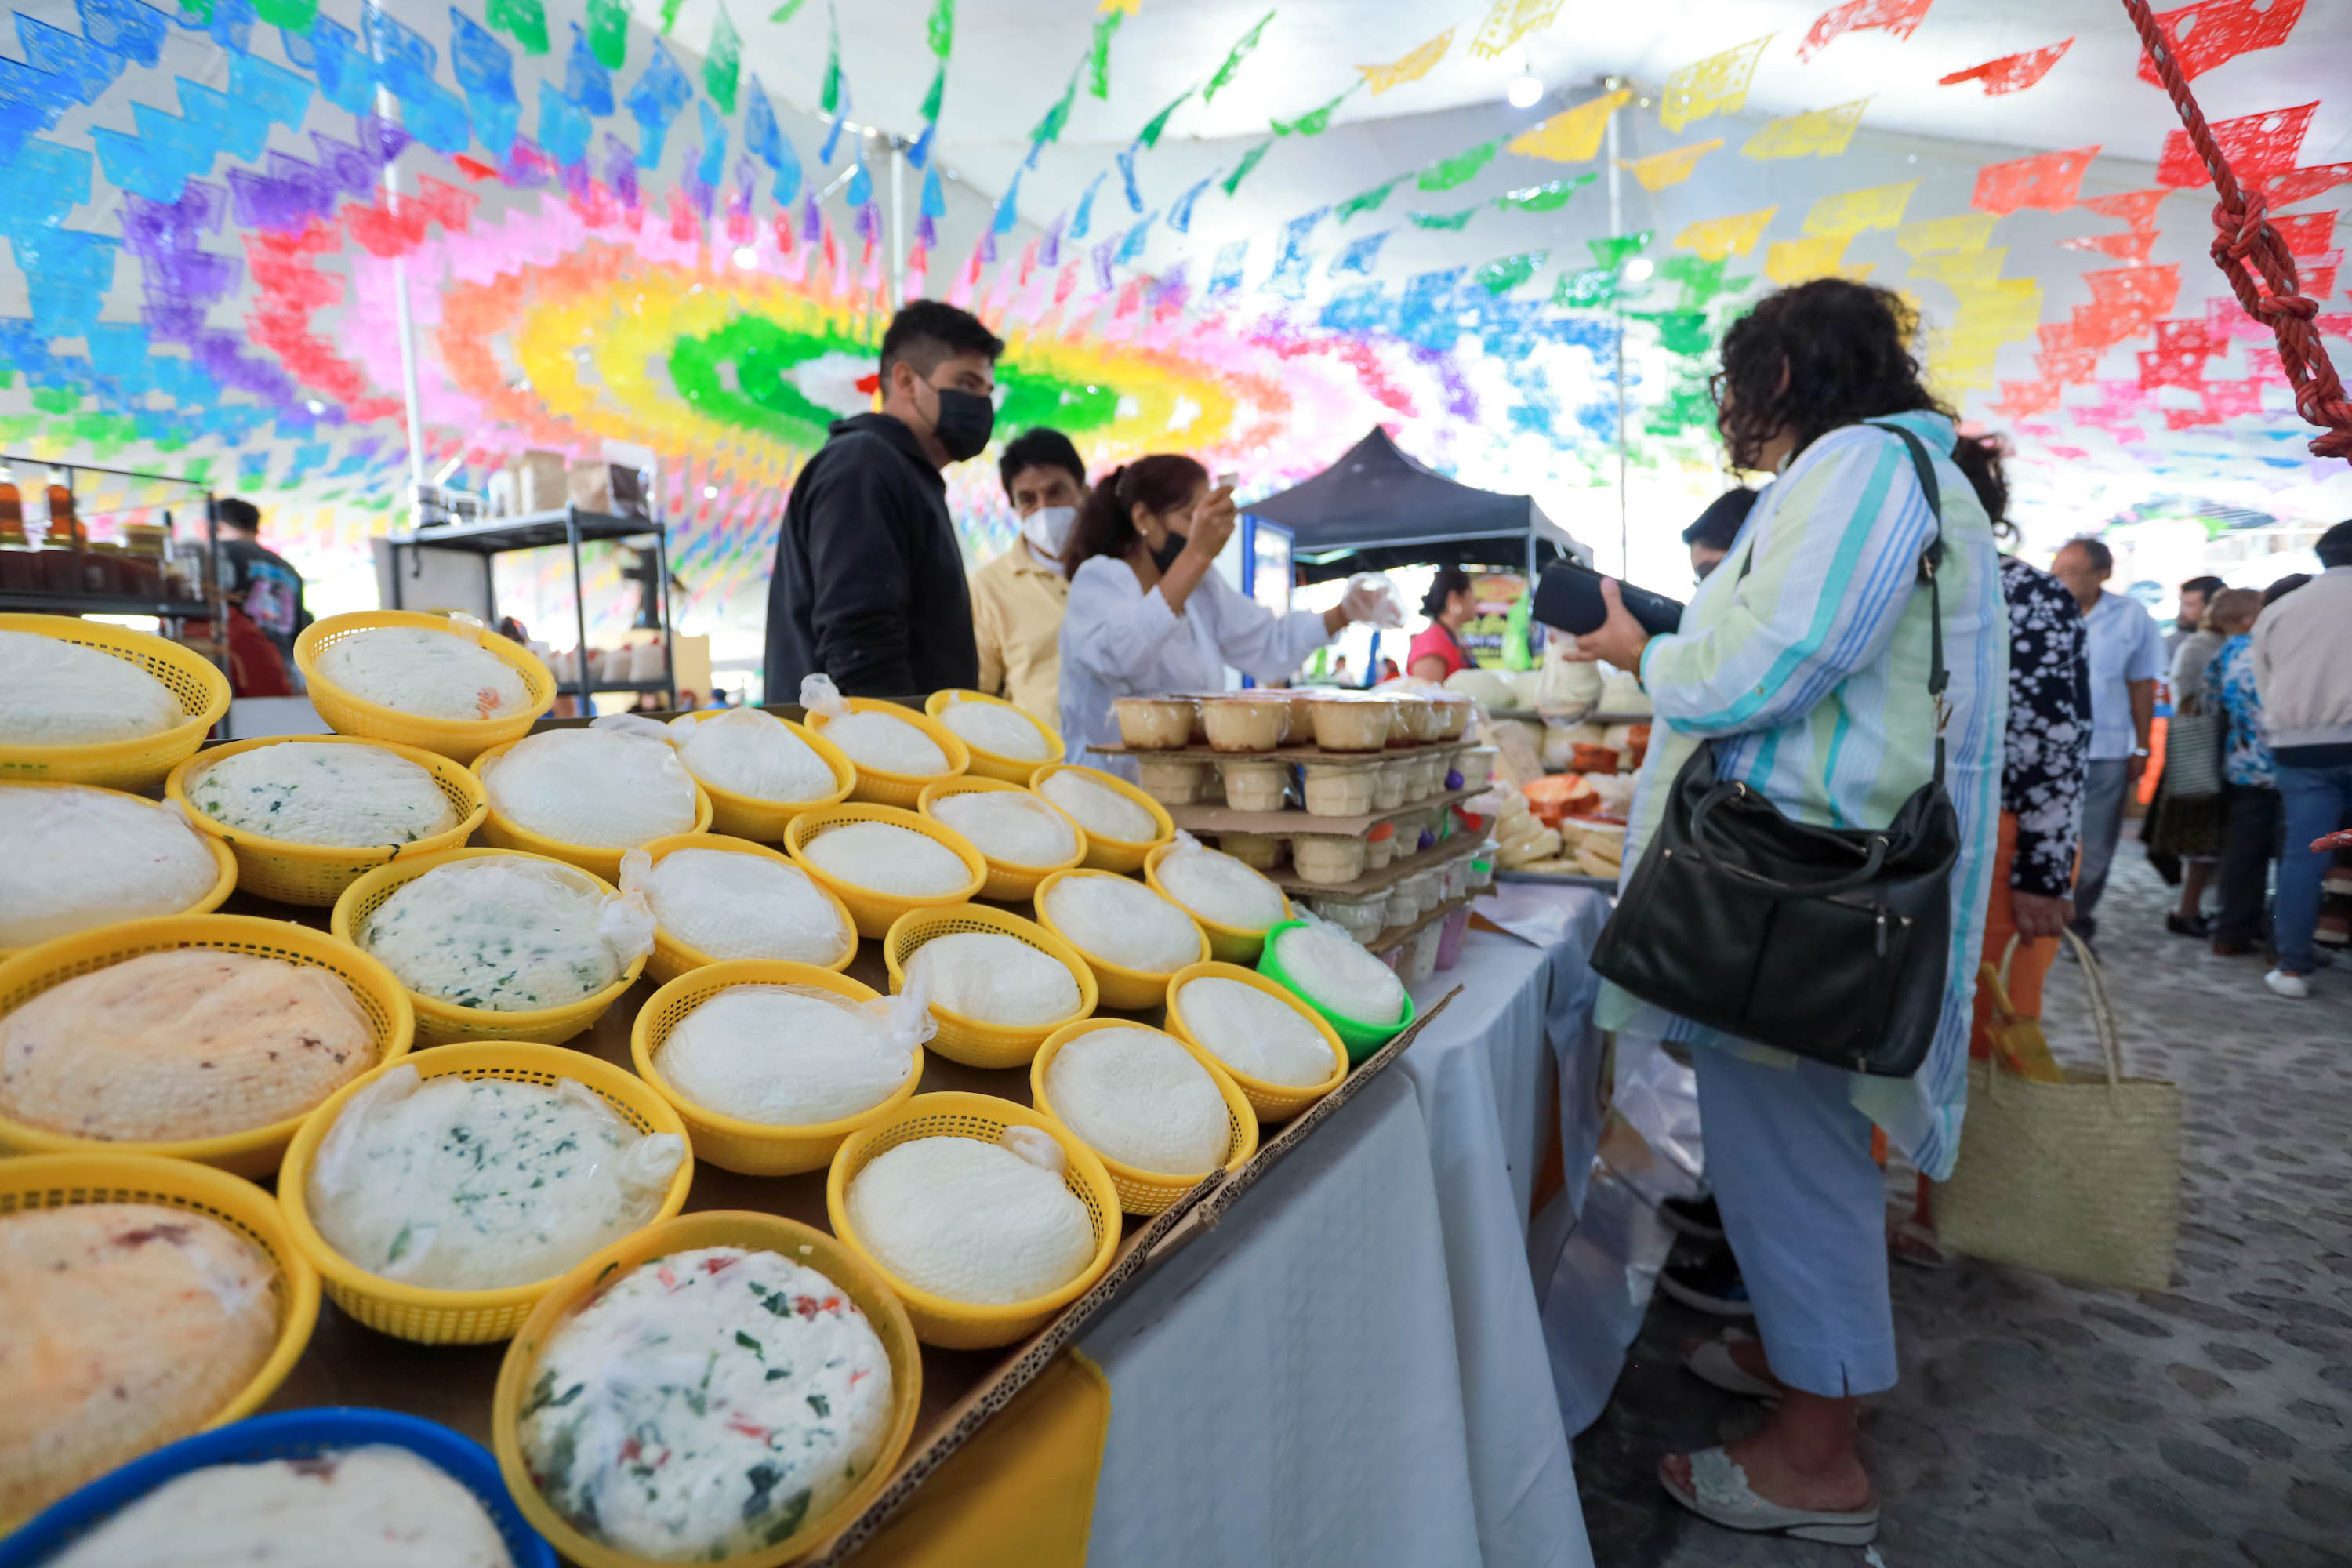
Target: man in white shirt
{"points": [[2126, 654]]}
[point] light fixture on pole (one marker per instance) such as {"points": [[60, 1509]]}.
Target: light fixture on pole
{"points": [[1526, 89]]}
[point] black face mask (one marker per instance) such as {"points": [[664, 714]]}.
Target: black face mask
{"points": [[965, 423], [1170, 548]]}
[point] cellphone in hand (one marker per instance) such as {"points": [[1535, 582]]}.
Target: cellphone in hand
{"points": [[1568, 597]]}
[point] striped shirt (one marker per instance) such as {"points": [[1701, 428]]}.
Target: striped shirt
{"points": [[1805, 655]]}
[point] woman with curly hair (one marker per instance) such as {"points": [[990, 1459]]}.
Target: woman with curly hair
{"points": [[1803, 660]]}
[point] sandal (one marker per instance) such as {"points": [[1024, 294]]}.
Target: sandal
{"points": [[1912, 1242], [1710, 1361], [1719, 1493]]}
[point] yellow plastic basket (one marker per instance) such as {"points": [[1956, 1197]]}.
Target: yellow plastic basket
{"points": [[880, 788], [802, 1244], [1142, 1191], [1120, 855], [748, 817], [1127, 990], [961, 1037], [1272, 1101], [462, 1317], [1230, 943], [439, 1022], [317, 874], [989, 764], [672, 958], [502, 832], [66, 1180], [141, 762], [730, 1143], [1009, 882], [459, 739], [961, 1325], [254, 1152], [870, 911], [224, 863]]}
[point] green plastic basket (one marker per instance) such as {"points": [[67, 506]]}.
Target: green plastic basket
{"points": [[1360, 1038]]}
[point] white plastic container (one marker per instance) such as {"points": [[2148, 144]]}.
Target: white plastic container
{"points": [[1262, 850], [1246, 720], [1424, 887], [1327, 857], [1453, 710], [1389, 781], [1255, 786], [1352, 721], [1380, 847], [1454, 877], [1403, 909], [1416, 718], [1476, 765], [1417, 960], [1173, 781], [1362, 918], [1339, 789], [1155, 723]]}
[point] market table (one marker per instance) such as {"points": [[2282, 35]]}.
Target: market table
{"points": [[1345, 1368]]}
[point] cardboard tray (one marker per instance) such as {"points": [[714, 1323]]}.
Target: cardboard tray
{"points": [[1379, 881], [1294, 820], [1308, 752]]}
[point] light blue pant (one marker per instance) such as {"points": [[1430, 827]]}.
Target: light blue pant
{"points": [[1804, 1207], [2315, 801], [2105, 786]]}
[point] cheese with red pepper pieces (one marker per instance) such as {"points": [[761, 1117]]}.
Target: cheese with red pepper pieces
{"points": [[706, 1403]]}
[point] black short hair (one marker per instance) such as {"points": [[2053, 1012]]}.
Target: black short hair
{"points": [[2335, 546], [2102, 558], [1718, 525], [1448, 581], [236, 511], [927, 331], [1040, 447], [2283, 587], [1978, 459], [2209, 585]]}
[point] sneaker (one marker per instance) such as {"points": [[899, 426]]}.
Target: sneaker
{"points": [[1712, 1284], [1695, 1217], [2195, 925], [2294, 987]]}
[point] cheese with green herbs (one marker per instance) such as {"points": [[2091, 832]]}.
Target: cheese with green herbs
{"points": [[310, 792], [500, 932]]}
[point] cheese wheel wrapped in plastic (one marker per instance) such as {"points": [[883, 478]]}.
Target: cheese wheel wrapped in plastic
{"points": [[1124, 921], [72, 859], [1141, 1097], [1098, 808], [424, 670], [888, 859], [727, 904], [1011, 825], [59, 693], [794, 1055], [613, 786], [1255, 1034], [460, 1184], [507, 932], [989, 1223], [871, 739], [996, 978], [992, 727], [1215, 887], [752, 752], [305, 791], [1332, 970]]}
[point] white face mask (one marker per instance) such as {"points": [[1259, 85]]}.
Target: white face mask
{"points": [[1048, 528]]}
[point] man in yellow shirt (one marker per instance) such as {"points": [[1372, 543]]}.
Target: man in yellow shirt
{"points": [[1017, 599]]}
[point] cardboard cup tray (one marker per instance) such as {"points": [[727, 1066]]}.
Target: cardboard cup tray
{"points": [[1304, 754]]}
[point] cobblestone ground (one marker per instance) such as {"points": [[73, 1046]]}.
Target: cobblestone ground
{"points": [[2041, 1424]]}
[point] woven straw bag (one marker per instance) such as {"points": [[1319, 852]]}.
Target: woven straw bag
{"points": [[2078, 1180]]}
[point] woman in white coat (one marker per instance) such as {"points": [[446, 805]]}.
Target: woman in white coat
{"points": [[1148, 612]]}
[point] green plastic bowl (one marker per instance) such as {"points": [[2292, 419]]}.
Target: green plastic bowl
{"points": [[1360, 1038]]}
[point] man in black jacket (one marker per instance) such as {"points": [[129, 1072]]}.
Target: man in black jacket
{"points": [[868, 585]]}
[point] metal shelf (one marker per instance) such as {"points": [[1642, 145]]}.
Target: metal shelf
{"points": [[104, 604], [533, 531], [572, 688]]}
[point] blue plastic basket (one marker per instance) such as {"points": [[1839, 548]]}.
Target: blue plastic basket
{"points": [[292, 1434]]}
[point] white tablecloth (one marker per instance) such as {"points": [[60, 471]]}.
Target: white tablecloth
{"points": [[1353, 1369]]}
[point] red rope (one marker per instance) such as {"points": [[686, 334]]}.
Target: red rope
{"points": [[2243, 235]]}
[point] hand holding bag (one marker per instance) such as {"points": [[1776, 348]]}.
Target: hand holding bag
{"points": [[1831, 943]]}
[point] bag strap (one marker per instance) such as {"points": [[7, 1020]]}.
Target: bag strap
{"points": [[1938, 677]]}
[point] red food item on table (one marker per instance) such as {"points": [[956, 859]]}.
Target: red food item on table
{"points": [[1592, 759]]}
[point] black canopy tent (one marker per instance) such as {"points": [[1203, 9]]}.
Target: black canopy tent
{"points": [[1376, 508]]}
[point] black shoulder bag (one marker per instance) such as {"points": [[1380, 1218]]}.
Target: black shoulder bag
{"points": [[1828, 942]]}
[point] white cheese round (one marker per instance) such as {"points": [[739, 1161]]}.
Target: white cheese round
{"points": [[886, 744], [1141, 1097], [1124, 921], [1216, 887], [1258, 1035], [754, 753], [309, 792], [1100, 809], [970, 1221], [1332, 970], [474, 1184], [729, 904], [496, 931], [72, 859], [424, 670], [706, 1405], [1007, 731], [62, 694], [996, 978], [888, 859], [1011, 825], [606, 789], [785, 1055]]}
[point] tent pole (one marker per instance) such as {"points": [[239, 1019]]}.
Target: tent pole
{"points": [[1616, 228], [387, 108], [898, 223]]}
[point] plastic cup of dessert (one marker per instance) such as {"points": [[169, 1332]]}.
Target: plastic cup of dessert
{"points": [[1339, 789], [1155, 723], [1173, 781], [1262, 850], [1255, 785], [1476, 765], [1328, 857], [1245, 721], [1352, 721], [1380, 846], [1389, 780]]}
